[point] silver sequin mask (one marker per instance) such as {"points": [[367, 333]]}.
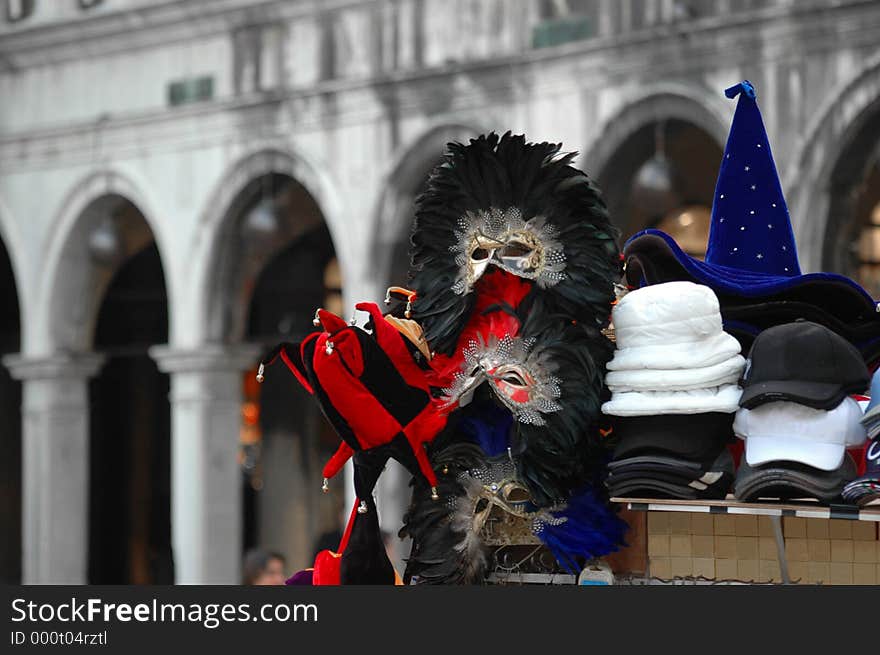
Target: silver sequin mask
{"points": [[522, 379], [498, 508], [526, 248]]}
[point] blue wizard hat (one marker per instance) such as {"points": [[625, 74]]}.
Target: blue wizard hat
{"points": [[751, 250]]}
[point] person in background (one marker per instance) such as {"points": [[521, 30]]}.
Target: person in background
{"points": [[263, 567]]}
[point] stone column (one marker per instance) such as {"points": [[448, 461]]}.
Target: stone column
{"points": [[626, 16], [606, 11], [206, 483], [55, 453]]}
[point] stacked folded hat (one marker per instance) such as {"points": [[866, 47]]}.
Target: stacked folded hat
{"points": [[797, 416], [751, 260], [866, 488], [673, 382], [871, 420], [668, 467]]}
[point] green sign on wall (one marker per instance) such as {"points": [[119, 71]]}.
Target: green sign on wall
{"points": [[557, 31], [196, 89]]}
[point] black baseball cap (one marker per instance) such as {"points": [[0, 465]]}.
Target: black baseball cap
{"points": [[802, 362], [684, 483], [791, 480], [651, 483], [697, 437], [653, 488], [672, 478], [654, 461]]}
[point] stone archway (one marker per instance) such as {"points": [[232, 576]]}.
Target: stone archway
{"points": [[97, 233], [403, 183], [130, 430], [274, 262], [215, 229], [828, 162], [109, 299], [695, 106], [10, 435], [691, 129], [71, 286], [853, 200]]}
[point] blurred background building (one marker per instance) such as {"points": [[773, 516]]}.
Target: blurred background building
{"points": [[182, 183]]}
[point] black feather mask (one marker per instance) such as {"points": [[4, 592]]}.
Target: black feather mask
{"points": [[500, 202]]}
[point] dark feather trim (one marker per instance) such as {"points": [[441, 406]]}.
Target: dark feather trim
{"points": [[555, 459], [445, 549]]}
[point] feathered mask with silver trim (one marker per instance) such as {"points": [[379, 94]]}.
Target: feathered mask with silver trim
{"points": [[526, 248], [520, 208], [487, 511], [519, 376]]}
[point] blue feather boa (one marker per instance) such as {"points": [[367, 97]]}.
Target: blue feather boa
{"points": [[585, 527]]}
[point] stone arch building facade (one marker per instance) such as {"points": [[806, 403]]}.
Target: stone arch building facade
{"points": [[351, 99]]}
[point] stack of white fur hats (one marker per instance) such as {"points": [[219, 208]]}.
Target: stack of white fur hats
{"points": [[673, 356], [674, 388]]}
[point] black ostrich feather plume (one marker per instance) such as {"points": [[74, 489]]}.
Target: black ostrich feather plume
{"points": [[506, 190], [545, 379], [449, 539], [557, 457], [446, 549]]}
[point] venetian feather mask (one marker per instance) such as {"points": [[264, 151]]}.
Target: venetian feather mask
{"points": [[522, 210], [498, 505], [526, 248], [519, 376]]}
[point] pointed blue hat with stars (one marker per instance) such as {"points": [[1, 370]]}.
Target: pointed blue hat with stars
{"points": [[751, 250], [750, 228]]}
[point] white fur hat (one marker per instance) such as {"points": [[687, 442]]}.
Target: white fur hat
{"points": [[676, 325]]}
